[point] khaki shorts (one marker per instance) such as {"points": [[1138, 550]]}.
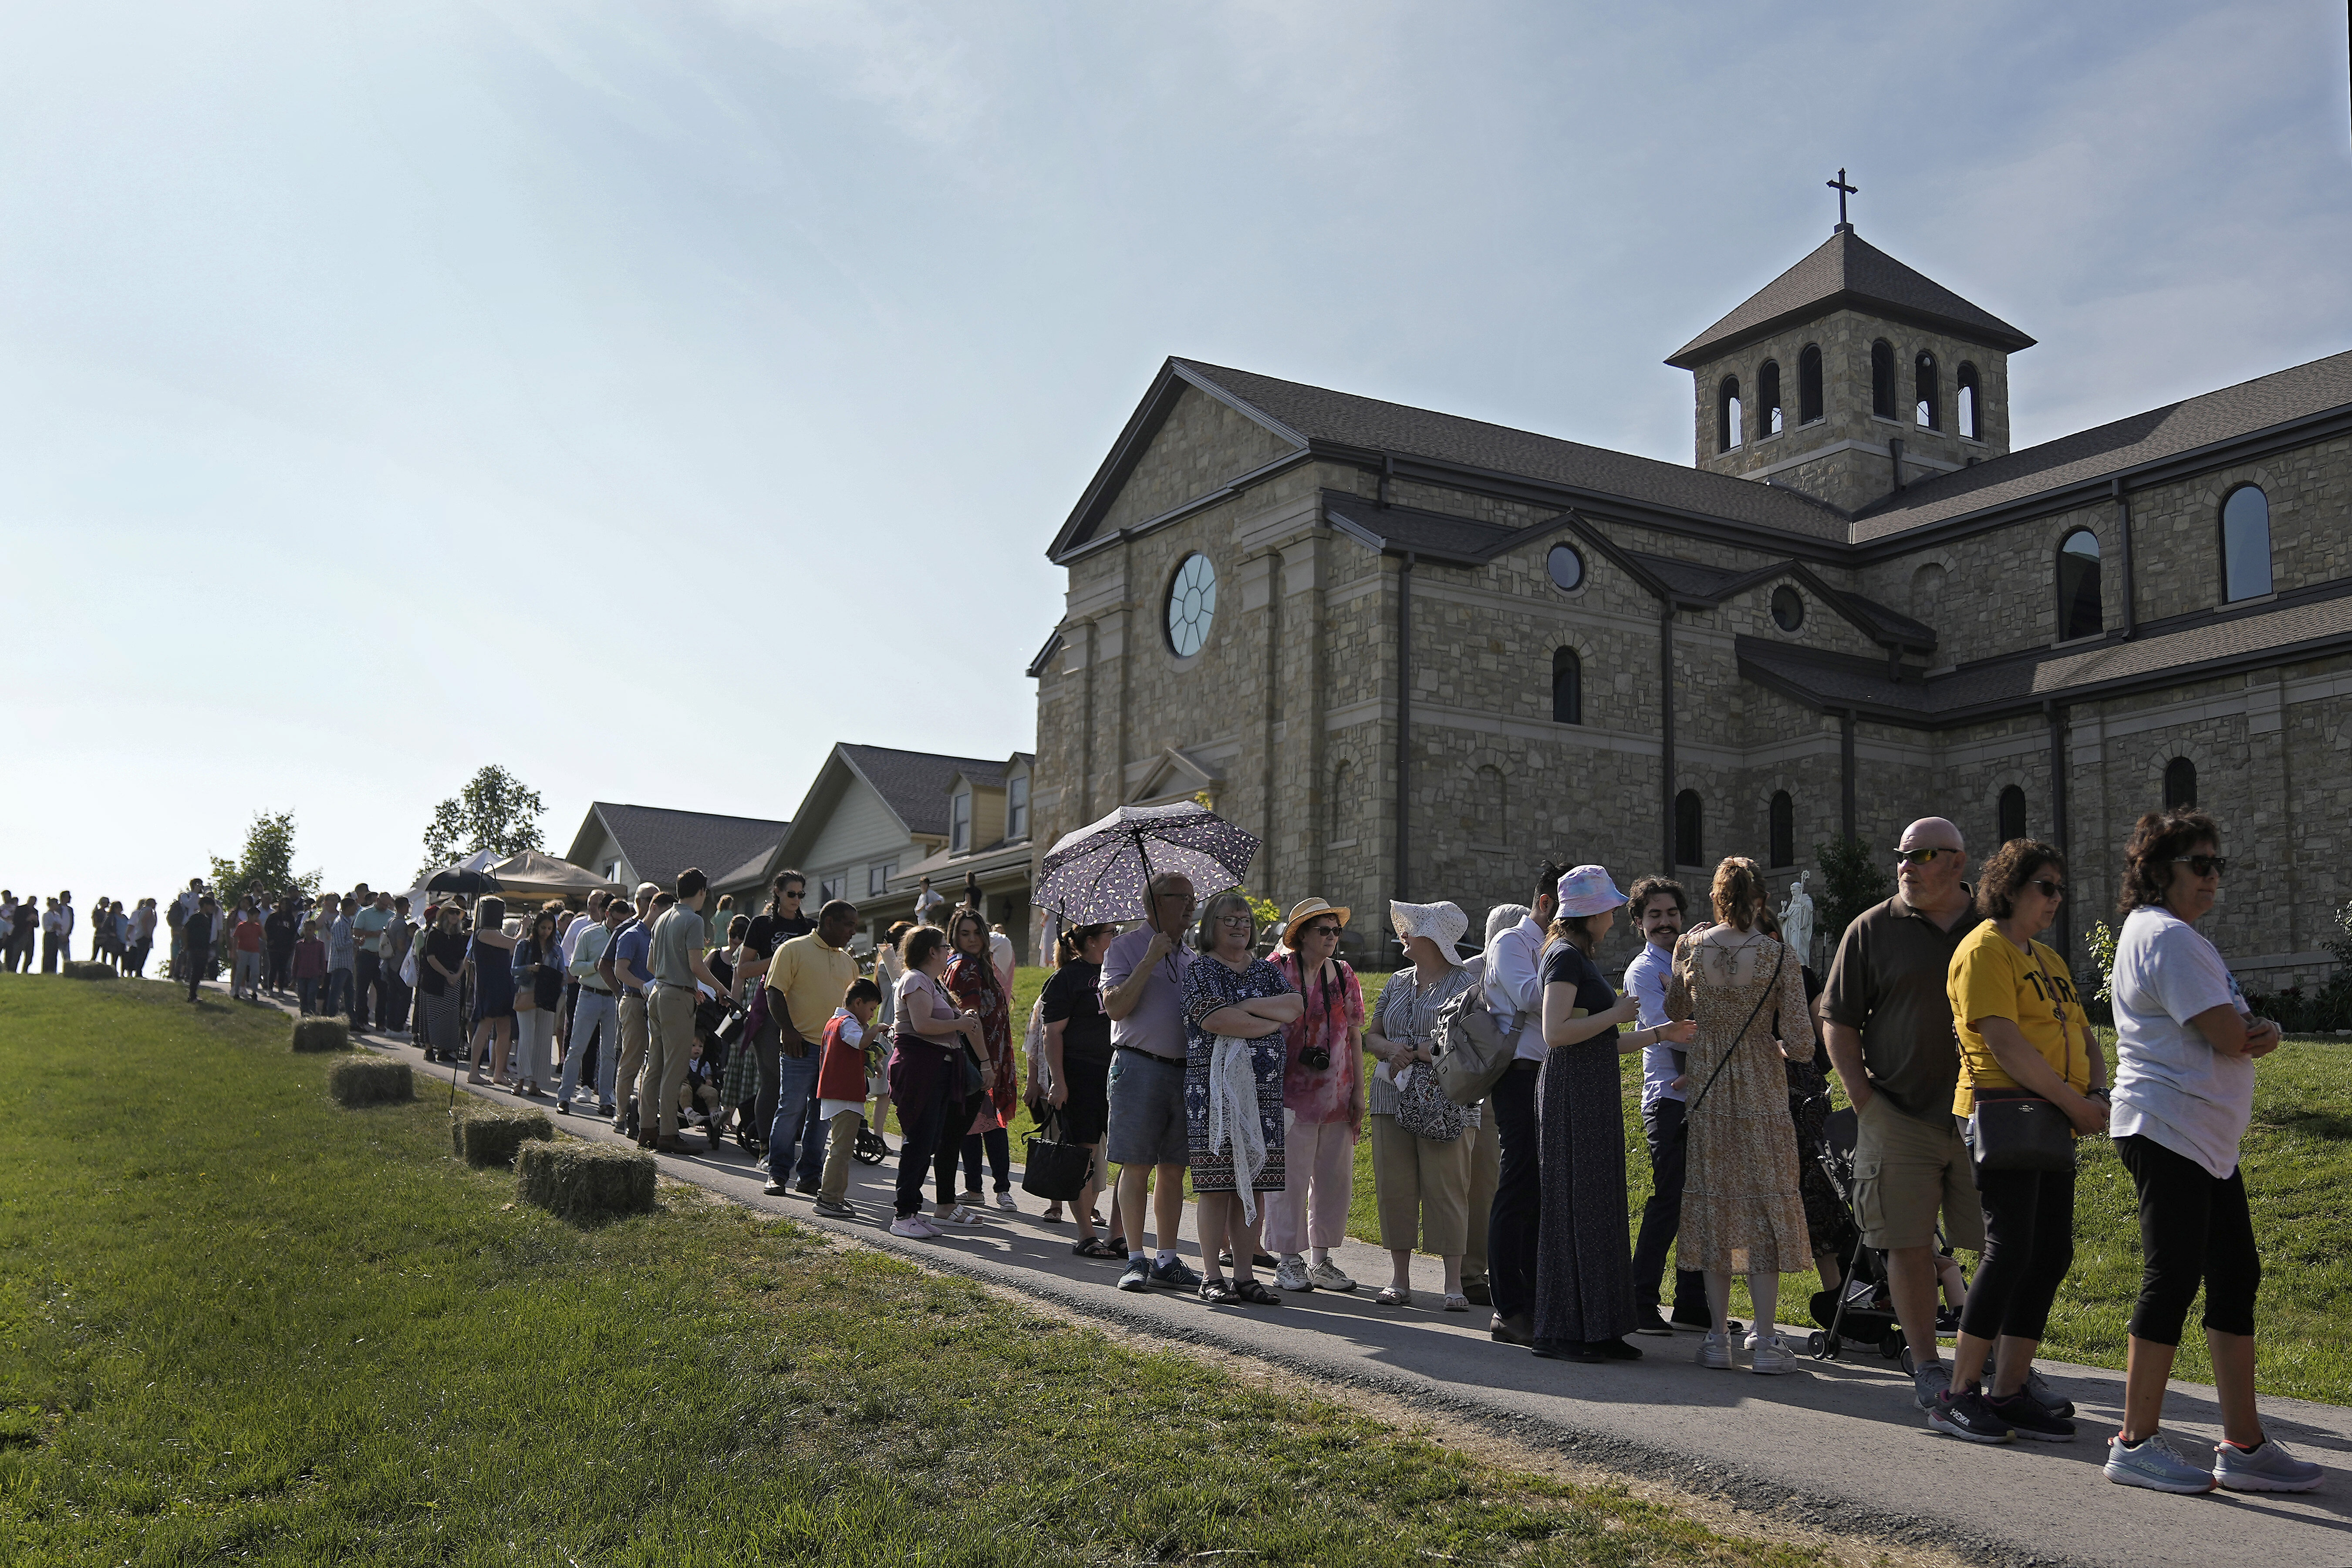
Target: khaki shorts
{"points": [[1904, 1170]]}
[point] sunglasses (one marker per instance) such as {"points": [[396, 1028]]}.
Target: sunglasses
{"points": [[2203, 865], [1920, 857], [2050, 890], [1322, 930]]}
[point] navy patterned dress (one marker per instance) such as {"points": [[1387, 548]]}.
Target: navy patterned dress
{"points": [[1211, 984]]}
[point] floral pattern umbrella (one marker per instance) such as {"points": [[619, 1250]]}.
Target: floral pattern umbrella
{"points": [[1099, 872]]}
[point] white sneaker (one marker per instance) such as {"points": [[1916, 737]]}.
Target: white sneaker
{"points": [[1291, 1274], [1715, 1352], [1329, 1276], [1004, 1201], [915, 1227], [2269, 1468], [1770, 1356]]}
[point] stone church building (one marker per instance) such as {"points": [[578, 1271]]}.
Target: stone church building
{"points": [[1417, 653]]}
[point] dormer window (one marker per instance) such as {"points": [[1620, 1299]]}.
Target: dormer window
{"points": [[960, 822], [1017, 807]]}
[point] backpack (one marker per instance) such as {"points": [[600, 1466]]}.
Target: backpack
{"points": [[1473, 1054]]}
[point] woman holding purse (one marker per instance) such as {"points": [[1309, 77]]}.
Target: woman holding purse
{"points": [[2024, 1046], [537, 988]]}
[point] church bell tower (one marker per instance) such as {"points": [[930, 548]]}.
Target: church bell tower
{"points": [[1849, 377]]}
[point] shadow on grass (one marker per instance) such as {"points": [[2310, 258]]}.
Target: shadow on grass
{"points": [[2308, 1123]]}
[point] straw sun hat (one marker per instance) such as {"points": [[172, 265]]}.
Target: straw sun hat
{"points": [[1306, 910]]}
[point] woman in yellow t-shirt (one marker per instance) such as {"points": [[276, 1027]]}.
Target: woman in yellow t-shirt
{"points": [[2021, 1031]]}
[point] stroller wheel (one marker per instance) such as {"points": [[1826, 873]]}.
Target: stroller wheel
{"points": [[1909, 1366], [1817, 1345], [1893, 1348], [870, 1149]]}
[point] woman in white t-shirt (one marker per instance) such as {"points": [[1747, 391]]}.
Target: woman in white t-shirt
{"points": [[2185, 1045]]}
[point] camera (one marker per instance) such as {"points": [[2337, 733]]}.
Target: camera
{"points": [[1316, 1059]]}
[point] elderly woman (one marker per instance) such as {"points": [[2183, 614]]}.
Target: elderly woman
{"points": [[2185, 1052], [1584, 1264], [1741, 1210], [1322, 1099], [1237, 1007], [1421, 1180]]}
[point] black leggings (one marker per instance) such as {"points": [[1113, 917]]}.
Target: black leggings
{"points": [[998, 1146], [2028, 1221], [2192, 1226]]}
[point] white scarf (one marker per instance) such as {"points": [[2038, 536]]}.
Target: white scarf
{"points": [[1233, 1117]]}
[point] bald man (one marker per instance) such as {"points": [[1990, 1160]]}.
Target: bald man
{"points": [[1889, 1031]]}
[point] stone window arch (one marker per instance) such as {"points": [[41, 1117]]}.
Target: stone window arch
{"points": [[1784, 834], [1928, 592], [1727, 414], [2180, 785], [1340, 822], [1926, 398], [2080, 611], [1969, 396], [2008, 813], [1567, 687], [2245, 544], [1768, 399]]}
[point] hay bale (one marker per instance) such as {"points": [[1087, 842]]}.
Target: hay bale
{"points": [[322, 1035], [492, 1137], [578, 1181], [370, 1080], [87, 969]]}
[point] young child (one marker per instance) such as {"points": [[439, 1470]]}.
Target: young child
{"points": [[310, 965], [245, 978], [841, 1090], [697, 1097]]}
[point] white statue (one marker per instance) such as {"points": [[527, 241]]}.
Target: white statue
{"points": [[1797, 920]]}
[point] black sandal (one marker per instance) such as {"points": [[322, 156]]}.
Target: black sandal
{"points": [[1254, 1293], [1094, 1246], [1216, 1293]]}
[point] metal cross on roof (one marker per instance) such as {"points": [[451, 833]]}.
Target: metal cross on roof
{"points": [[1843, 191]]}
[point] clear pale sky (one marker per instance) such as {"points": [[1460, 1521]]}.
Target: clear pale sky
{"points": [[646, 397]]}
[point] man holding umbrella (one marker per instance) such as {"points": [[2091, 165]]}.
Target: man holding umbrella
{"points": [[1143, 994]]}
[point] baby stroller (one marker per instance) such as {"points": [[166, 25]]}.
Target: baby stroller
{"points": [[1861, 1308]]}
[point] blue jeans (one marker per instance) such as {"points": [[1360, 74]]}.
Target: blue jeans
{"points": [[590, 1011], [795, 1103], [339, 992]]}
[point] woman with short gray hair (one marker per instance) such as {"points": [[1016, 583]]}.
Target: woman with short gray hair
{"points": [[1236, 1008]]}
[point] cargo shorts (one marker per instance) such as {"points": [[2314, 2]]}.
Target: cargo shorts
{"points": [[1905, 1168]]}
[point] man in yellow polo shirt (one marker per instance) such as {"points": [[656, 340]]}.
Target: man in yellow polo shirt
{"points": [[807, 977]]}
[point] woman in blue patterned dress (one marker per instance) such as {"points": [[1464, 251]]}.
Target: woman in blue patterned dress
{"points": [[1233, 995]]}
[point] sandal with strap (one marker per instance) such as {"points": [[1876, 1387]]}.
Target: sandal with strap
{"points": [[1216, 1292], [1094, 1246], [1254, 1293]]}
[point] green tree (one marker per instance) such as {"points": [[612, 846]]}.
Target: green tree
{"points": [[268, 860], [494, 812], [1854, 882]]}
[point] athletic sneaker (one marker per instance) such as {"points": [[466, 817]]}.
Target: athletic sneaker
{"points": [[1967, 1416], [2269, 1468], [2155, 1464], [1291, 1274], [834, 1208], [1770, 1356], [2030, 1419], [1137, 1275], [2045, 1396], [1329, 1276], [915, 1227], [1928, 1382], [775, 1190], [1004, 1201], [1715, 1352], [1175, 1275]]}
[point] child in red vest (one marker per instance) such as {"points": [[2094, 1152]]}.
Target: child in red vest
{"points": [[310, 965], [841, 1090]]}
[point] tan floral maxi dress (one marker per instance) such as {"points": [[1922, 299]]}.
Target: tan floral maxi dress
{"points": [[1742, 1213]]}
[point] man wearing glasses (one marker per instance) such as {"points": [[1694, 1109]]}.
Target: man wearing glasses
{"points": [[1143, 994], [1889, 1032]]}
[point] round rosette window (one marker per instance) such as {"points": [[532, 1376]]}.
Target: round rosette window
{"points": [[1567, 568], [1788, 608], [1191, 605]]}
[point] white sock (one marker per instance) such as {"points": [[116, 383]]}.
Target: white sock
{"points": [[1166, 1256], [1138, 1258], [1292, 1258], [1322, 1255]]}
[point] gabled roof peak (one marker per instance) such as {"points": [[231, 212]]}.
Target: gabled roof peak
{"points": [[1848, 272]]}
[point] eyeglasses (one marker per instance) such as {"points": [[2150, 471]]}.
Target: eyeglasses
{"points": [[1921, 856], [2203, 865], [1237, 922], [2050, 890], [1322, 930]]}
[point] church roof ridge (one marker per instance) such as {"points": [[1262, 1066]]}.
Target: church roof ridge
{"points": [[1846, 272]]}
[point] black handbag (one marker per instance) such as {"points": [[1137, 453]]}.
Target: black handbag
{"points": [[1052, 1169], [2018, 1130]]}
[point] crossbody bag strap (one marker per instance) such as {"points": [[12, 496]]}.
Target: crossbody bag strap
{"points": [[2065, 1040], [1769, 986]]}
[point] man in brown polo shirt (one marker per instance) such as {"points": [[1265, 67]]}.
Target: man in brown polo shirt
{"points": [[1889, 1028]]}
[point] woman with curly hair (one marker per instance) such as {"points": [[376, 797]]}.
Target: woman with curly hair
{"points": [[973, 984], [2185, 1044]]}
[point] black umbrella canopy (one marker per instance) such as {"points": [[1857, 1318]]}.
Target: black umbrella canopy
{"points": [[459, 880]]}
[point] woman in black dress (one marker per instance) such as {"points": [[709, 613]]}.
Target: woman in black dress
{"points": [[1584, 1264]]}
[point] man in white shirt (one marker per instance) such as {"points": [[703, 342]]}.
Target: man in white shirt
{"points": [[595, 1015], [1513, 995], [1657, 908]]}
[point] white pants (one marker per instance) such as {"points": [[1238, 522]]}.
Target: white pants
{"points": [[1319, 1180], [534, 1033]]}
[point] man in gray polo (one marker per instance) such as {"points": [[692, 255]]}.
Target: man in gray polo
{"points": [[1144, 993], [679, 937], [1890, 1037]]}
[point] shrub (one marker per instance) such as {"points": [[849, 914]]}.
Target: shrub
{"points": [[370, 1080], [577, 1181], [322, 1035], [87, 969], [492, 1137], [1850, 882]]}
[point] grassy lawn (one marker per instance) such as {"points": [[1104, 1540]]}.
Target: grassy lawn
{"points": [[238, 1321]]}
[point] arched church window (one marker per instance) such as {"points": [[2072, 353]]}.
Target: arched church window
{"points": [[1882, 379], [1768, 399], [1788, 608], [1689, 845], [2180, 785], [1925, 406], [2080, 613], [1809, 385], [1727, 414], [1964, 388], [2012, 813], [2245, 544], [1567, 687], [1784, 828]]}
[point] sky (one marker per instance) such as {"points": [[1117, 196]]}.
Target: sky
{"points": [[646, 397]]}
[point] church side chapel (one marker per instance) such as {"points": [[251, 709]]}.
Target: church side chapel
{"points": [[1418, 654]]}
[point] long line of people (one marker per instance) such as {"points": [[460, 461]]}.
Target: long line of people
{"points": [[1178, 1052]]}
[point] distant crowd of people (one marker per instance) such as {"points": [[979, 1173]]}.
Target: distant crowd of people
{"points": [[1199, 1047]]}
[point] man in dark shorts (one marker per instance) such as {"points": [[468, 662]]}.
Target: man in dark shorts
{"points": [[1144, 993]]}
